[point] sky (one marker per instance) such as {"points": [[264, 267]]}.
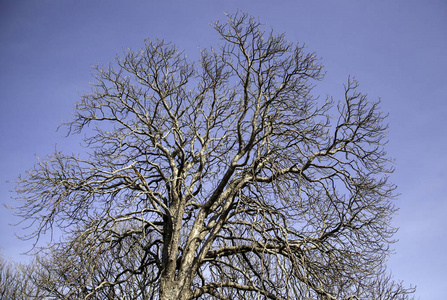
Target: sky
{"points": [[395, 49]]}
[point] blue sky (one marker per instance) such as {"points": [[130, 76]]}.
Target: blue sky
{"points": [[396, 49]]}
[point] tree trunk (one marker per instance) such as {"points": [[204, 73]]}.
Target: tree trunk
{"points": [[171, 289]]}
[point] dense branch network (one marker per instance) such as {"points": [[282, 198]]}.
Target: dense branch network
{"points": [[225, 179]]}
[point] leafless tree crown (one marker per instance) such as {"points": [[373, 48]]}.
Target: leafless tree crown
{"points": [[223, 179]]}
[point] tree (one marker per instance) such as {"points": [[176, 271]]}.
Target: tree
{"points": [[9, 283], [16, 281], [224, 179]]}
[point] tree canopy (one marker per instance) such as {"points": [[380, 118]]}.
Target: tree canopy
{"points": [[224, 178]]}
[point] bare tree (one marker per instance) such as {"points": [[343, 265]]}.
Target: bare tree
{"points": [[16, 281], [81, 269], [224, 179], [9, 280]]}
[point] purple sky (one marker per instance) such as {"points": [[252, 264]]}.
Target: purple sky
{"points": [[396, 49]]}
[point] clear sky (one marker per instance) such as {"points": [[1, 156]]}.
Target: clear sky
{"points": [[396, 49]]}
